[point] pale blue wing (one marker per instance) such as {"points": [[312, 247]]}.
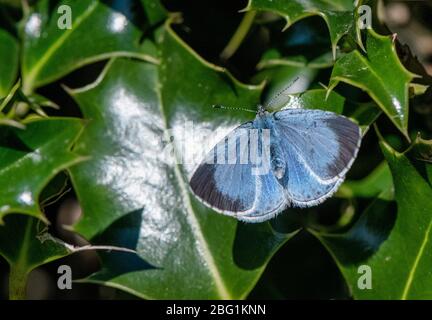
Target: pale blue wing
{"points": [[270, 200], [304, 187], [319, 148], [227, 187], [232, 188]]}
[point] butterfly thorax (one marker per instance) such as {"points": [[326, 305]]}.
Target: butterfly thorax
{"points": [[261, 111], [265, 121]]}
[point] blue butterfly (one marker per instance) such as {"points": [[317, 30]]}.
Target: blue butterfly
{"points": [[287, 158]]}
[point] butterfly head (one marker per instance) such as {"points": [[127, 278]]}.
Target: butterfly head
{"points": [[261, 110]]}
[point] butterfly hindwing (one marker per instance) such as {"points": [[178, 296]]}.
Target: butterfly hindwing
{"points": [[270, 199], [319, 148]]}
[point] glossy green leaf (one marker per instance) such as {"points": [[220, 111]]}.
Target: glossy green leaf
{"points": [[281, 77], [316, 99], [50, 52], [365, 114], [380, 74], [135, 193], [338, 15], [305, 44], [394, 241], [273, 58], [42, 147], [154, 10], [378, 182], [10, 98], [24, 246], [54, 190], [9, 54], [16, 106]]}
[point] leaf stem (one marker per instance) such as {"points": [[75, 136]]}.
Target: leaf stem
{"points": [[17, 284], [239, 35]]}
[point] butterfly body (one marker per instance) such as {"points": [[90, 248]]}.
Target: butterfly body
{"points": [[265, 120], [288, 158]]}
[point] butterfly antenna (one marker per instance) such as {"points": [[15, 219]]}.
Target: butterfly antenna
{"points": [[218, 106], [280, 94]]}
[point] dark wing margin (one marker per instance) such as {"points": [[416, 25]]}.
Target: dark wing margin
{"points": [[320, 148], [228, 188], [204, 185], [325, 142]]}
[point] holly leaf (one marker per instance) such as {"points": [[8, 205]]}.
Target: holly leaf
{"points": [[378, 182], [305, 44], [394, 242], [384, 79], [8, 62], [42, 147], [154, 10], [51, 49], [273, 58], [25, 246], [338, 15]]}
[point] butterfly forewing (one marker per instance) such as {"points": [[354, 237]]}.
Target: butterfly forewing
{"points": [[224, 180], [245, 188]]}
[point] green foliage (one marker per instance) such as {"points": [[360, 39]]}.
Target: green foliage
{"points": [[24, 246], [396, 245], [9, 70], [372, 74], [338, 15], [50, 52], [42, 147], [127, 82]]}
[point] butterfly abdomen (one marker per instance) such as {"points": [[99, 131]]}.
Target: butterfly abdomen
{"points": [[278, 163]]}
